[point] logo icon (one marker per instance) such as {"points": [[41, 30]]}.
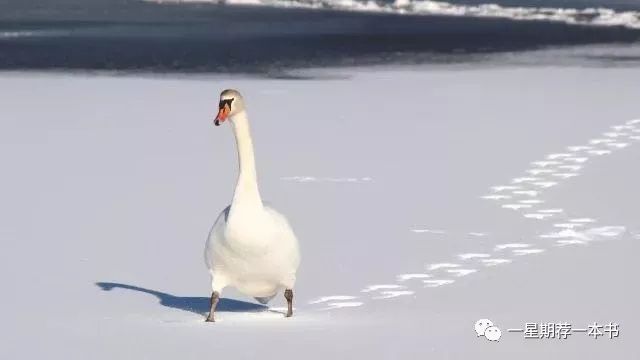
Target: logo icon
{"points": [[492, 333], [486, 328]]}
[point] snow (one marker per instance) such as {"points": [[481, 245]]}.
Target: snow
{"points": [[110, 185]]}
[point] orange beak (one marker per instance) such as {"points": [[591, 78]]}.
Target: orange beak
{"points": [[222, 114]]}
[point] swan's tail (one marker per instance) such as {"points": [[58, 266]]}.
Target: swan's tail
{"points": [[265, 300]]}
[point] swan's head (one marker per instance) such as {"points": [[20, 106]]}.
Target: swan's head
{"points": [[231, 103]]}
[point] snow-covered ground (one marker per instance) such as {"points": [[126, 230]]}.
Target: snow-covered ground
{"points": [[424, 199]]}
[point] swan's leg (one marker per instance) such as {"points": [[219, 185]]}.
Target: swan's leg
{"points": [[288, 294], [215, 297], [218, 282]]}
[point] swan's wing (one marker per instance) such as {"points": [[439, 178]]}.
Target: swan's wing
{"points": [[280, 221], [216, 233], [287, 240]]}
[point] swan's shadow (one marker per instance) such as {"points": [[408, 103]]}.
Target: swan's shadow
{"points": [[194, 304]]}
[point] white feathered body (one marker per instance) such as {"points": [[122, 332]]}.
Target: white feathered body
{"points": [[252, 249]]}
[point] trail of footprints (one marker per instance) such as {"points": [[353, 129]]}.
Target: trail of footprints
{"points": [[523, 196]]}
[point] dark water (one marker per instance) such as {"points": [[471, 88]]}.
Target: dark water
{"points": [[140, 36]]}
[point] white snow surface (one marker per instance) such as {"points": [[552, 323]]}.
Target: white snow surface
{"points": [[111, 183]]}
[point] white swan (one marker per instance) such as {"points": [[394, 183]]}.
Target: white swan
{"points": [[251, 246]]}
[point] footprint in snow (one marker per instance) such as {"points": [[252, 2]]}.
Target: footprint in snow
{"points": [[511, 246], [393, 294], [371, 288], [494, 262], [442, 266], [437, 283], [331, 298], [521, 252], [406, 277]]}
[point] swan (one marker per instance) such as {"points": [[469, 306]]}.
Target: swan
{"points": [[251, 246]]}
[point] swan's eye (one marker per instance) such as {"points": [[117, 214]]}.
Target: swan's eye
{"points": [[225, 102]]}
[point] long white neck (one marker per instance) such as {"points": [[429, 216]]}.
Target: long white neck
{"points": [[246, 194]]}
